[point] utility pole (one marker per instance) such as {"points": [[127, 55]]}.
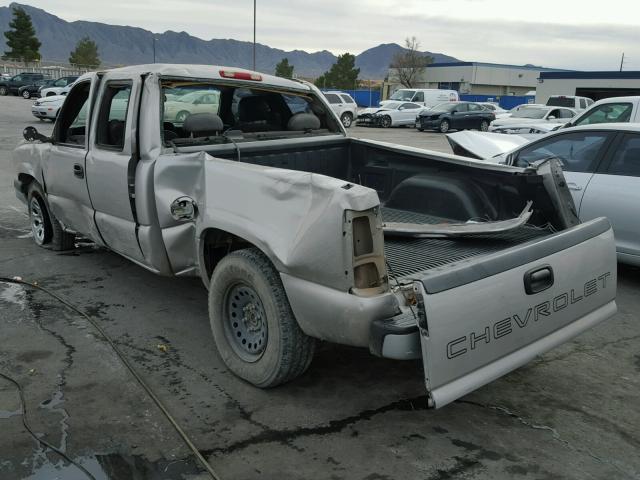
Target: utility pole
{"points": [[622, 61], [154, 49], [254, 35]]}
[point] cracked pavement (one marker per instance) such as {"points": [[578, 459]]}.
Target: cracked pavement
{"points": [[571, 414]]}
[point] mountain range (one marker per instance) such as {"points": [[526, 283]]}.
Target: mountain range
{"points": [[125, 45]]}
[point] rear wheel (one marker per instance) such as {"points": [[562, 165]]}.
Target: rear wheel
{"points": [[386, 121], [346, 119], [444, 126], [26, 94], [46, 230], [484, 126], [253, 325], [182, 116], [3, 91]]}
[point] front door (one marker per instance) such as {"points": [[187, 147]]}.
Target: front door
{"points": [[64, 169]]}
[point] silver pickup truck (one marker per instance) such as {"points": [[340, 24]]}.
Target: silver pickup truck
{"points": [[301, 233]]}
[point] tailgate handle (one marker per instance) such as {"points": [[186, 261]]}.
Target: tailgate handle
{"points": [[538, 279]]}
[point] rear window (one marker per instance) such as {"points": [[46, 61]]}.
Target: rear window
{"points": [[332, 98], [347, 99], [561, 102]]}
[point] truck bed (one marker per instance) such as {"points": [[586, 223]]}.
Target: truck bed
{"points": [[409, 257]]}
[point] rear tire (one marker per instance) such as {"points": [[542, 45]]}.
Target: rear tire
{"points": [[3, 91], [444, 126], [253, 325], [484, 126], [346, 119], [46, 229]]}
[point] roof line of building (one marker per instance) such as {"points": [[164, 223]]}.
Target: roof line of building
{"points": [[485, 64], [591, 75]]}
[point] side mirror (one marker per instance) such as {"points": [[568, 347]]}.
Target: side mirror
{"points": [[551, 117], [30, 134], [454, 111], [400, 108]]}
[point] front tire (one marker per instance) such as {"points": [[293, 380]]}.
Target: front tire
{"points": [[346, 119], [386, 121], [46, 229], [26, 94], [253, 325], [444, 126], [182, 116]]}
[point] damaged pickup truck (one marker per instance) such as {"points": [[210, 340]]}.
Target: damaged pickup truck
{"points": [[301, 233]]}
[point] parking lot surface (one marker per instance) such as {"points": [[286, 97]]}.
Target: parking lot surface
{"points": [[570, 414]]}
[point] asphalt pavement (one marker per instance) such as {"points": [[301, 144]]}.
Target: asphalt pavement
{"points": [[570, 414]]}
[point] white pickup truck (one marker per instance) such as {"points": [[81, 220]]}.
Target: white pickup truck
{"points": [[302, 233]]}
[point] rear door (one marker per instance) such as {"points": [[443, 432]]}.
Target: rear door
{"points": [[579, 152], [481, 319], [614, 192]]}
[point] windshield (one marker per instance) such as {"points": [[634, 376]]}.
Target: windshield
{"points": [[561, 102], [402, 95], [444, 107], [246, 113], [530, 112]]}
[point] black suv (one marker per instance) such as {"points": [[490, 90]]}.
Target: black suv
{"points": [[13, 84], [455, 115]]}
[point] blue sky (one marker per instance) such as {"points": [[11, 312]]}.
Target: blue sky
{"points": [[587, 34]]}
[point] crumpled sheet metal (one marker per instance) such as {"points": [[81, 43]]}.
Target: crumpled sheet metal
{"points": [[418, 230]]}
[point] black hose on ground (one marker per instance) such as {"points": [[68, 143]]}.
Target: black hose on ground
{"points": [[129, 367]]}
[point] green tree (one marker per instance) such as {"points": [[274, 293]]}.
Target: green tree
{"points": [[409, 64], [22, 42], [85, 54], [342, 74], [283, 69]]}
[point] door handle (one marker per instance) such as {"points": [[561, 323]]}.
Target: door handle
{"points": [[538, 279], [574, 186], [78, 171]]}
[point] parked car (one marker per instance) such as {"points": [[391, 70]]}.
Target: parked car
{"points": [[497, 110], [455, 115], [427, 97], [393, 114], [344, 106], [47, 108], [13, 84], [601, 164], [300, 232], [571, 101], [610, 110], [198, 101], [33, 90], [535, 115], [59, 86]]}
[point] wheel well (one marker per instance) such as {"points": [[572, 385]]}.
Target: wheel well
{"points": [[25, 180], [215, 245]]}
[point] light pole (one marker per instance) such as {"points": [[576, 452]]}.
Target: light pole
{"points": [[254, 35], [154, 49]]}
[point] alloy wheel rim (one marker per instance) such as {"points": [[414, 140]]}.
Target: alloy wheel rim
{"points": [[245, 322], [37, 220]]}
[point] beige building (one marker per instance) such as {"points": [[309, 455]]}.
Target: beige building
{"points": [[475, 78]]}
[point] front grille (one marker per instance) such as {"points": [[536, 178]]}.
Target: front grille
{"points": [[410, 256]]}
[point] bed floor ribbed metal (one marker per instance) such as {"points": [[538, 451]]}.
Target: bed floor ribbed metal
{"points": [[410, 256]]}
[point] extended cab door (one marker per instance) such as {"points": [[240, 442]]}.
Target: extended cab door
{"points": [[111, 163], [614, 192], [64, 169]]}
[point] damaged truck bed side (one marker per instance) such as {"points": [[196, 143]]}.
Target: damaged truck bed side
{"points": [[300, 233]]}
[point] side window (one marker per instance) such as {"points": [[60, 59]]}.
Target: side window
{"points": [[583, 103], [564, 113], [462, 107], [347, 99], [72, 119], [626, 160], [17, 78], [410, 106], [474, 108], [554, 113], [332, 98], [578, 152], [111, 126], [60, 83], [607, 113], [418, 97]]}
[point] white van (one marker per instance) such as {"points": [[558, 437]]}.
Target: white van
{"points": [[427, 97]]}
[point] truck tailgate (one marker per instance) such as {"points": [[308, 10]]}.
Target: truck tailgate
{"points": [[480, 319]]}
